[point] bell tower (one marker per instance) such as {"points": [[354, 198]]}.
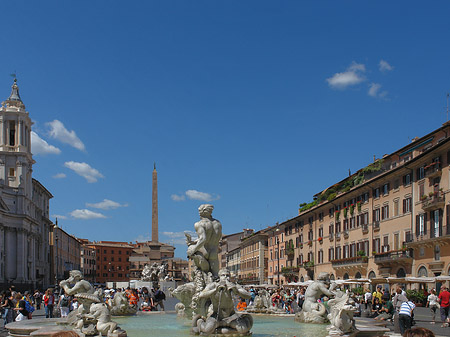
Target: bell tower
{"points": [[16, 159]]}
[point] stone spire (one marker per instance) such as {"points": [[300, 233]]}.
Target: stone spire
{"points": [[14, 99], [154, 205]]}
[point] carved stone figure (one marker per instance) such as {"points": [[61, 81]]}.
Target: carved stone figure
{"points": [[180, 309], [312, 310], [100, 312], [263, 304], [223, 318], [341, 313], [162, 272], [207, 299], [120, 306]]}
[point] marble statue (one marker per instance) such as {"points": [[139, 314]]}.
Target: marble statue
{"points": [[92, 316], [155, 273], [162, 272], [263, 304], [120, 306], [312, 310], [223, 318], [208, 299], [342, 308], [180, 309]]}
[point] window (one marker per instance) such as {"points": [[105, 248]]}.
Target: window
{"points": [[338, 253], [330, 254], [376, 193], [386, 189], [386, 243], [321, 232], [321, 216], [396, 207], [421, 173], [376, 245], [112, 251], [320, 256], [396, 184], [376, 215], [406, 179], [407, 205], [120, 259], [330, 229], [352, 222], [420, 224], [104, 259], [12, 133], [365, 197], [437, 253], [12, 172], [104, 251], [112, 258], [385, 212]]}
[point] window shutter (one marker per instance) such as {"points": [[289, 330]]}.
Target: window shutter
{"points": [[404, 205], [425, 223], [447, 211], [440, 218], [417, 225], [387, 211]]}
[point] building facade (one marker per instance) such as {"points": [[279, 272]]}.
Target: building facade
{"points": [[112, 260], [253, 258], [87, 260], [390, 218], [66, 253], [24, 203]]}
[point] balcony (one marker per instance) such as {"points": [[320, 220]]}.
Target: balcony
{"points": [[438, 235], [346, 234], [365, 229], [394, 257], [351, 262], [376, 226], [331, 237], [433, 170], [338, 236], [433, 201]]}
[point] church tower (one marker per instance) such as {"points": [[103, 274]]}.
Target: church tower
{"points": [[15, 144]]}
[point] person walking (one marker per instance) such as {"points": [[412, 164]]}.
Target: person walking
{"points": [[8, 307], [49, 302], [63, 305], [433, 304], [23, 313], [159, 298], [405, 316], [444, 301]]}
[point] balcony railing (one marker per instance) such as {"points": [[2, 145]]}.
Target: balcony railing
{"points": [[338, 236], [365, 229], [346, 234], [394, 256], [331, 236], [376, 226], [356, 260], [434, 233], [433, 201], [433, 170]]}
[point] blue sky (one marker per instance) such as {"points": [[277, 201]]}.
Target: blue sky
{"points": [[253, 106]]}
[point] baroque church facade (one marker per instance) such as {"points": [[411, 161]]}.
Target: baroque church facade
{"points": [[25, 257]]}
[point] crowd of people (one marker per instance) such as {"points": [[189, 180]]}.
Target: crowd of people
{"points": [[16, 306]]}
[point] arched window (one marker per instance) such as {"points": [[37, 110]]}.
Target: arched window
{"points": [[372, 275], [401, 273], [358, 275], [422, 272], [346, 277]]}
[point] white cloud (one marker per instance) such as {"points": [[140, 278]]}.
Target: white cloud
{"points": [[384, 66], [352, 76], [84, 170], [58, 216], [178, 238], [40, 146], [143, 238], [202, 196], [86, 214], [59, 176], [176, 197], [375, 90], [59, 132], [106, 204]]}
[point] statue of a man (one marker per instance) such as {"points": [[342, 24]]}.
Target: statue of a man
{"points": [[80, 285], [223, 317], [204, 250]]}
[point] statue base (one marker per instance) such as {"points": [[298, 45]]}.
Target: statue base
{"points": [[310, 317]]}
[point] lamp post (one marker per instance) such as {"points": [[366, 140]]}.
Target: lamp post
{"points": [[278, 255], [55, 231]]}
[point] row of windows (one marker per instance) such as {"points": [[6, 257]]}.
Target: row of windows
{"points": [[112, 259], [112, 251]]}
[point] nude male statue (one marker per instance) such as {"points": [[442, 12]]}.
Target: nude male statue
{"points": [[204, 250], [223, 317], [315, 291], [80, 285]]}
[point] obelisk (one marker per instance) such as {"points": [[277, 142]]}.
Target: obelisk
{"points": [[155, 205]]}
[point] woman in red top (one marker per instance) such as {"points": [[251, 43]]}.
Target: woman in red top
{"points": [[49, 302], [444, 301]]}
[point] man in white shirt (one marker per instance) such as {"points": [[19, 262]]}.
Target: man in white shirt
{"points": [[405, 316]]}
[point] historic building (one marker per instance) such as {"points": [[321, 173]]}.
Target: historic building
{"points": [[391, 218], [112, 261], [65, 250], [87, 260], [229, 243], [254, 258], [24, 203]]}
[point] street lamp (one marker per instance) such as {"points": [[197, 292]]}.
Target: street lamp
{"points": [[55, 230], [278, 254]]}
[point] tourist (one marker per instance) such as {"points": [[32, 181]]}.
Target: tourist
{"points": [[376, 308], [133, 297], [63, 305], [377, 294], [37, 299], [301, 298], [386, 296], [253, 294], [433, 304], [386, 312], [159, 298], [242, 305], [368, 298], [288, 299], [405, 316], [418, 332], [28, 303], [398, 299], [276, 298], [444, 301], [8, 306], [21, 308], [49, 302]]}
